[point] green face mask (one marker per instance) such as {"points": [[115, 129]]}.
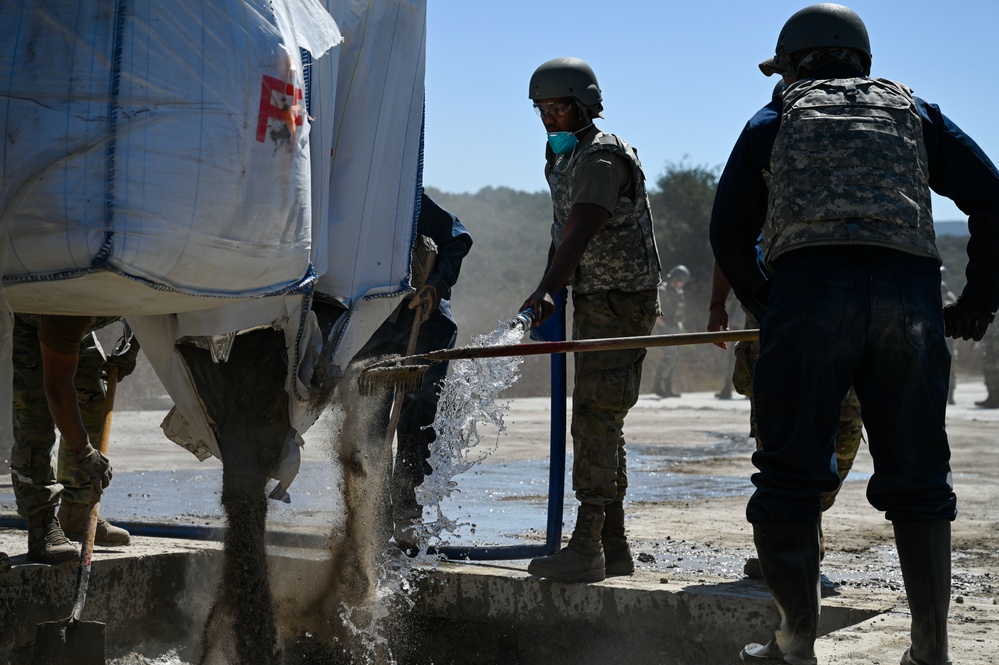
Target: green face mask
{"points": [[562, 142]]}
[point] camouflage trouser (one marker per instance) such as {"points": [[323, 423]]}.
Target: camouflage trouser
{"points": [[848, 435], [37, 485], [668, 359], [990, 361], [952, 381], [606, 387]]}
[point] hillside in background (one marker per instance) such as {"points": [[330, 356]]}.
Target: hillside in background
{"points": [[511, 232], [511, 235]]}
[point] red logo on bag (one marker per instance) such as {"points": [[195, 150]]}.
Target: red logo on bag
{"points": [[278, 100]]}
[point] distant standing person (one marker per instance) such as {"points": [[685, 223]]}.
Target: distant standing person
{"points": [[672, 302], [989, 346], [948, 298], [837, 176], [603, 247]]}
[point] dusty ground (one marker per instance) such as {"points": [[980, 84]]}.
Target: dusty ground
{"points": [[860, 549], [707, 540]]}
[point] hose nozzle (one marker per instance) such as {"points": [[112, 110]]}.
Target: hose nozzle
{"points": [[524, 320]]}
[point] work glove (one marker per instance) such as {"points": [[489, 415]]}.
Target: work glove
{"points": [[92, 462], [967, 319], [124, 361], [427, 299]]}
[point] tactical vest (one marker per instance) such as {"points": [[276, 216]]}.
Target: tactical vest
{"points": [[849, 166], [622, 255]]}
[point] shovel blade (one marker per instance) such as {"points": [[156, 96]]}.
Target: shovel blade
{"points": [[68, 642]]}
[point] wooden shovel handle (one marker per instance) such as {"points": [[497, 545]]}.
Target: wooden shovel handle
{"points": [[602, 344], [87, 546]]}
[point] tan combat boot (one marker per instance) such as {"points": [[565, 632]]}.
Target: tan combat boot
{"points": [[582, 560], [73, 519], [617, 553], [46, 541]]}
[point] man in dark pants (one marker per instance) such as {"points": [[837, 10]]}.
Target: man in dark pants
{"points": [[443, 236], [837, 175]]}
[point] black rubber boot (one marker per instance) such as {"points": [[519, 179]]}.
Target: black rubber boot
{"points": [[582, 560], [752, 568], [924, 556], [789, 559], [617, 553]]}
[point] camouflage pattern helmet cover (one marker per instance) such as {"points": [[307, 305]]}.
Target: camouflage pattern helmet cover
{"points": [[565, 77], [818, 26]]}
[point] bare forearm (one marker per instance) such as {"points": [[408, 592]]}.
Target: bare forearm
{"points": [[58, 374], [720, 288], [64, 407]]}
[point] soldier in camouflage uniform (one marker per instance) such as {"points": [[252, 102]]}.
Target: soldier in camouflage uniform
{"points": [[39, 488], [990, 370], [836, 175], [948, 298], [673, 305], [603, 246]]}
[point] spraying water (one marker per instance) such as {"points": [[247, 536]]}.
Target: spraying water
{"points": [[469, 399], [374, 583], [370, 586]]}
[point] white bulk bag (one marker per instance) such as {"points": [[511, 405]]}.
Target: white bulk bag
{"points": [[155, 152]]}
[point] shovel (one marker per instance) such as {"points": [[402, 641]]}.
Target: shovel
{"points": [[406, 373], [71, 641]]}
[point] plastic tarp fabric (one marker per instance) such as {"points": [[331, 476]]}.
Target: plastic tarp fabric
{"points": [[155, 160], [365, 102], [162, 143], [374, 131]]}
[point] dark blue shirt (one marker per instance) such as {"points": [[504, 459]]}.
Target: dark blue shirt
{"points": [[453, 242], [958, 170]]}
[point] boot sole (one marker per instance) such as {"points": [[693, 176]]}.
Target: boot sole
{"points": [[620, 569], [596, 575], [53, 561], [102, 543]]}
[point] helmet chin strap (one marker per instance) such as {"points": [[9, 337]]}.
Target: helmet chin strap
{"points": [[566, 161]]}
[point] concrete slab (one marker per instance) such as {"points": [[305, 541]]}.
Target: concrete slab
{"points": [[160, 591], [471, 613], [487, 614]]}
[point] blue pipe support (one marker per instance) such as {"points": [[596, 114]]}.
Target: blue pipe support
{"points": [[553, 330]]}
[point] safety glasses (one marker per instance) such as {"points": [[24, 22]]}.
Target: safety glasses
{"points": [[553, 109]]}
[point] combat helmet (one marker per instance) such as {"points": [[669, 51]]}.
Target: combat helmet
{"points": [[817, 26], [679, 272], [567, 77]]}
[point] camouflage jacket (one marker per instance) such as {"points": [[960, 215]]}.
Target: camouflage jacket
{"points": [[849, 166], [622, 255]]}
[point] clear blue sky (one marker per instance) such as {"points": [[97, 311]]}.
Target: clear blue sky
{"points": [[679, 80]]}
